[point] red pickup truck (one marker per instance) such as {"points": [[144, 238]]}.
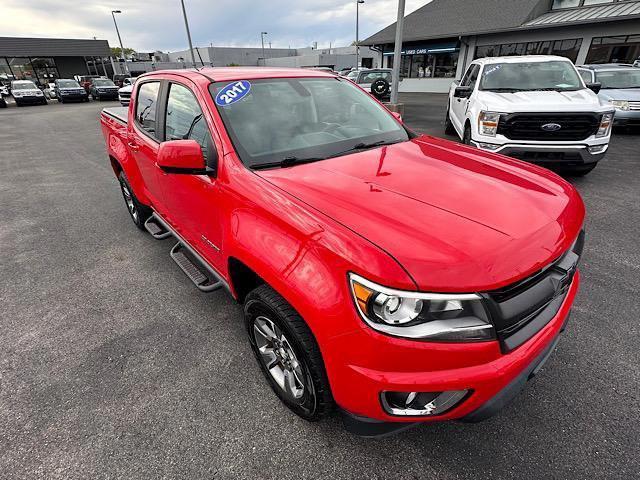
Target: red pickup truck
{"points": [[402, 277]]}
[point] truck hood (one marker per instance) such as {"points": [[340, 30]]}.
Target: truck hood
{"points": [[578, 101], [631, 94], [457, 219]]}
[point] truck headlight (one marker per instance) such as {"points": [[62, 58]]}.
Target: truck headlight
{"points": [[620, 104], [605, 125], [424, 316], [488, 123]]}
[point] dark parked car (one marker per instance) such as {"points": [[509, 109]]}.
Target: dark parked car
{"points": [[86, 81], [68, 90], [104, 89], [3, 102]]}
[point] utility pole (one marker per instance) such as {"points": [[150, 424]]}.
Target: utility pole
{"points": [[397, 54], [262, 34], [358, 2], [124, 60], [186, 25]]}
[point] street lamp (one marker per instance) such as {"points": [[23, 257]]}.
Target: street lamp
{"points": [[186, 25], [397, 54], [358, 2], [113, 14], [262, 34]]}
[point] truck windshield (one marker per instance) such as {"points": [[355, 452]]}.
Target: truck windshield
{"points": [[527, 76], [68, 84], [301, 119], [103, 82], [619, 78], [24, 86]]}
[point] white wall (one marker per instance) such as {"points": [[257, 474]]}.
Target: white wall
{"points": [[425, 85]]}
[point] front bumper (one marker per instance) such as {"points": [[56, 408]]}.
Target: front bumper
{"points": [[493, 378], [73, 97], [556, 154], [32, 99], [107, 95], [627, 118]]}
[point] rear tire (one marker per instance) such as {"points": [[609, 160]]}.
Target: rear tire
{"points": [[139, 212], [280, 338], [448, 125]]}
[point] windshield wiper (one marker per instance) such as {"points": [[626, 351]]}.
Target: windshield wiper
{"points": [[365, 146], [504, 89], [287, 162]]}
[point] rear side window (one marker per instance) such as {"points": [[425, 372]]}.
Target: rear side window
{"points": [[586, 75], [146, 105], [184, 118]]}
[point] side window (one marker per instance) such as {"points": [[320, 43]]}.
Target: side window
{"points": [[146, 104], [471, 77], [586, 75], [184, 118]]}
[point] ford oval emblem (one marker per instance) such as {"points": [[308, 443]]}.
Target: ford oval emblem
{"points": [[551, 127]]}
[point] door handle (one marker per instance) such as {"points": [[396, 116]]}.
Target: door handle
{"points": [[133, 146]]}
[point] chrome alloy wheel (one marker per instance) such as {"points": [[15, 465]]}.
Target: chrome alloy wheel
{"points": [[129, 200], [277, 355]]}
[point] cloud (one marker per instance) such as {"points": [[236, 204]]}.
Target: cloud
{"points": [[148, 25]]}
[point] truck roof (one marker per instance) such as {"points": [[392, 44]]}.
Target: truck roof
{"points": [[223, 74], [521, 59]]}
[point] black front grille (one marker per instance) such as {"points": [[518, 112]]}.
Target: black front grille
{"points": [[125, 94], [521, 310], [529, 126]]}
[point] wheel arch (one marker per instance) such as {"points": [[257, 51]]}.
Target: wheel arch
{"points": [[242, 278]]}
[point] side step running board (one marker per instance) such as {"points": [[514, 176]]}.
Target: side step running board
{"points": [[156, 229], [197, 271]]}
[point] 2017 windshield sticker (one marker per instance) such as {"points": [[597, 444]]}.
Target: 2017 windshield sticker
{"points": [[232, 93]]}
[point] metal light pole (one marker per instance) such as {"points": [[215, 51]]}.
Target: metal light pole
{"points": [[397, 54], [358, 2], [262, 34], [186, 25], [113, 14]]}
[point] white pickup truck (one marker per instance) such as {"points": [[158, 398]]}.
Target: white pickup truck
{"points": [[535, 108]]}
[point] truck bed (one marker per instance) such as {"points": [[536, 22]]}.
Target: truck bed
{"points": [[120, 114]]}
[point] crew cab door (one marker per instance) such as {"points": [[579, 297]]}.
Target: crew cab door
{"points": [[460, 105], [192, 202], [144, 139]]}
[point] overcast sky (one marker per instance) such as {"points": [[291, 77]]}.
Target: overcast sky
{"points": [[147, 25]]}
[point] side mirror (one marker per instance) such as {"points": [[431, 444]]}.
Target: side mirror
{"points": [[594, 87], [181, 156], [397, 115], [463, 92]]}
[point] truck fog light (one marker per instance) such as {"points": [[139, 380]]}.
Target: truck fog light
{"points": [[598, 148], [488, 146], [425, 404]]}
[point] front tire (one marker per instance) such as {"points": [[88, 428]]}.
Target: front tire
{"points": [[139, 212], [466, 138], [580, 170], [448, 125], [287, 353]]}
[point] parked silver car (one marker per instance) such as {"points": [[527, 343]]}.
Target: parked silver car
{"points": [[620, 87]]}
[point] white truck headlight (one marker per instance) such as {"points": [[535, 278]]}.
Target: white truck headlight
{"points": [[436, 317], [605, 125], [620, 104], [488, 123]]}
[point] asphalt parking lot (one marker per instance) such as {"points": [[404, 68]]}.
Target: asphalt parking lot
{"points": [[112, 365]]}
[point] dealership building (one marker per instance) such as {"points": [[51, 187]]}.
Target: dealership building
{"points": [[443, 37], [45, 59]]}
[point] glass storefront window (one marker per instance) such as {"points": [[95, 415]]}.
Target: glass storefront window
{"points": [[21, 68], [565, 48], [5, 72], [620, 49], [427, 65]]}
